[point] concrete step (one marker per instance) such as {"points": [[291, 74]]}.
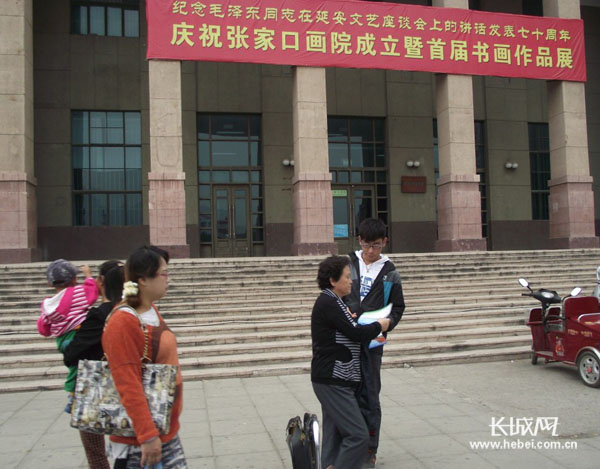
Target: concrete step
{"points": [[251, 317], [303, 260], [491, 354], [283, 330], [505, 353], [202, 289], [269, 330], [258, 267], [253, 310], [286, 356], [254, 267], [14, 318]]}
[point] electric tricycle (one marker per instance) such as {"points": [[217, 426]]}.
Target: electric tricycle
{"points": [[566, 330]]}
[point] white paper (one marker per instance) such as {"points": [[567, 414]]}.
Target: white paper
{"points": [[372, 316]]}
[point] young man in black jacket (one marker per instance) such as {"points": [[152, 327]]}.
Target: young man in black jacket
{"points": [[375, 284]]}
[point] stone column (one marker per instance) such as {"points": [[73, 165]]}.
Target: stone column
{"points": [[18, 218], [459, 201], [571, 195], [312, 200], [166, 193]]}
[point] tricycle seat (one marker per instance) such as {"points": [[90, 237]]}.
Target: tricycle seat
{"points": [[576, 306], [535, 315]]}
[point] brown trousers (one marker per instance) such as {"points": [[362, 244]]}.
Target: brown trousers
{"points": [[94, 450]]}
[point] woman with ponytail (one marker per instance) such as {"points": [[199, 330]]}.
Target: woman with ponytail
{"points": [[147, 280]]}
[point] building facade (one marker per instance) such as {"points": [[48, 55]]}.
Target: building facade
{"points": [[102, 150]]}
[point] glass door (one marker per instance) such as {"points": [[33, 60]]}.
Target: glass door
{"points": [[351, 205], [231, 221]]}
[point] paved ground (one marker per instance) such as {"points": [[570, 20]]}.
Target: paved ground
{"points": [[432, 416]]}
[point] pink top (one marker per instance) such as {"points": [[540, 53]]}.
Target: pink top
{"points": [[67, 309]]}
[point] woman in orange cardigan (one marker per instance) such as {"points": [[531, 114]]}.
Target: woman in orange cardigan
{"points": [[123, 342]]}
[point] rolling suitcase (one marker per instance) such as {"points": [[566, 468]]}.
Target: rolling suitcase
{"points": [[302, 437]]}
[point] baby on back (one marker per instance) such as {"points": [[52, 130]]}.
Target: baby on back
{"points": [[63, 313], [67, 309]]}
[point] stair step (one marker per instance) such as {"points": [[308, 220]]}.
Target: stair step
{"points": [[281, 329], [257, 343], [243, 358], [506, 353], [460, 307], [23, 325]]}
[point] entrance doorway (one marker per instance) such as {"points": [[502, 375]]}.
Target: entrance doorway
{"points": [[231, 223], [230, 193], [351, 205], [357, 163]]}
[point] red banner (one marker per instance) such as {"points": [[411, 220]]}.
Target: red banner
{"points": [[367, 35]]}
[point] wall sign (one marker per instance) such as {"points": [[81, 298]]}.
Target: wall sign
{"points": [[414, 184]]}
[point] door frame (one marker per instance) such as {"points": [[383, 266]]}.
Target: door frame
{"points": [[351, 242], [231, 246]]}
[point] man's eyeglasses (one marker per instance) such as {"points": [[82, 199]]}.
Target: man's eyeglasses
{"points": [[367, 246]]}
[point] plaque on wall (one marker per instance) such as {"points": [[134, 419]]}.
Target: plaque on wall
{"points": [[414, 184]]}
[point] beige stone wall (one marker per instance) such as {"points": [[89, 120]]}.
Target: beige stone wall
{"points": [[455, 117], [366, 87], [18, 219], [566, 115], [165, 116], [277, 143], [86, 72], [405, 100], [410, 137], [312, 199], [79, 72], [189, 139], [505, 6], [52, 113], [562, 8], [506, 105], [250, 89], [506, 117], [16, 87]]}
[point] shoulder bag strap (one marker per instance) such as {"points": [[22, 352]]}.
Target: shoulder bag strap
{"points": [[145, 358]]}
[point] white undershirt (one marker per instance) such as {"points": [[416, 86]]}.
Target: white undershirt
{"points": [[368, 273], [149, 317]]}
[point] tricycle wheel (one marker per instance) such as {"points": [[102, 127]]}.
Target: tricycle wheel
{"points": [[534, 358], [589, 369]]}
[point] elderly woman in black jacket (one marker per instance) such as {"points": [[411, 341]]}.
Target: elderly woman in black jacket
{"points": [[335, 367]]}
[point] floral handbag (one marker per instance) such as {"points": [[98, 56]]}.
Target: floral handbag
{"points": [[97, 407]]}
